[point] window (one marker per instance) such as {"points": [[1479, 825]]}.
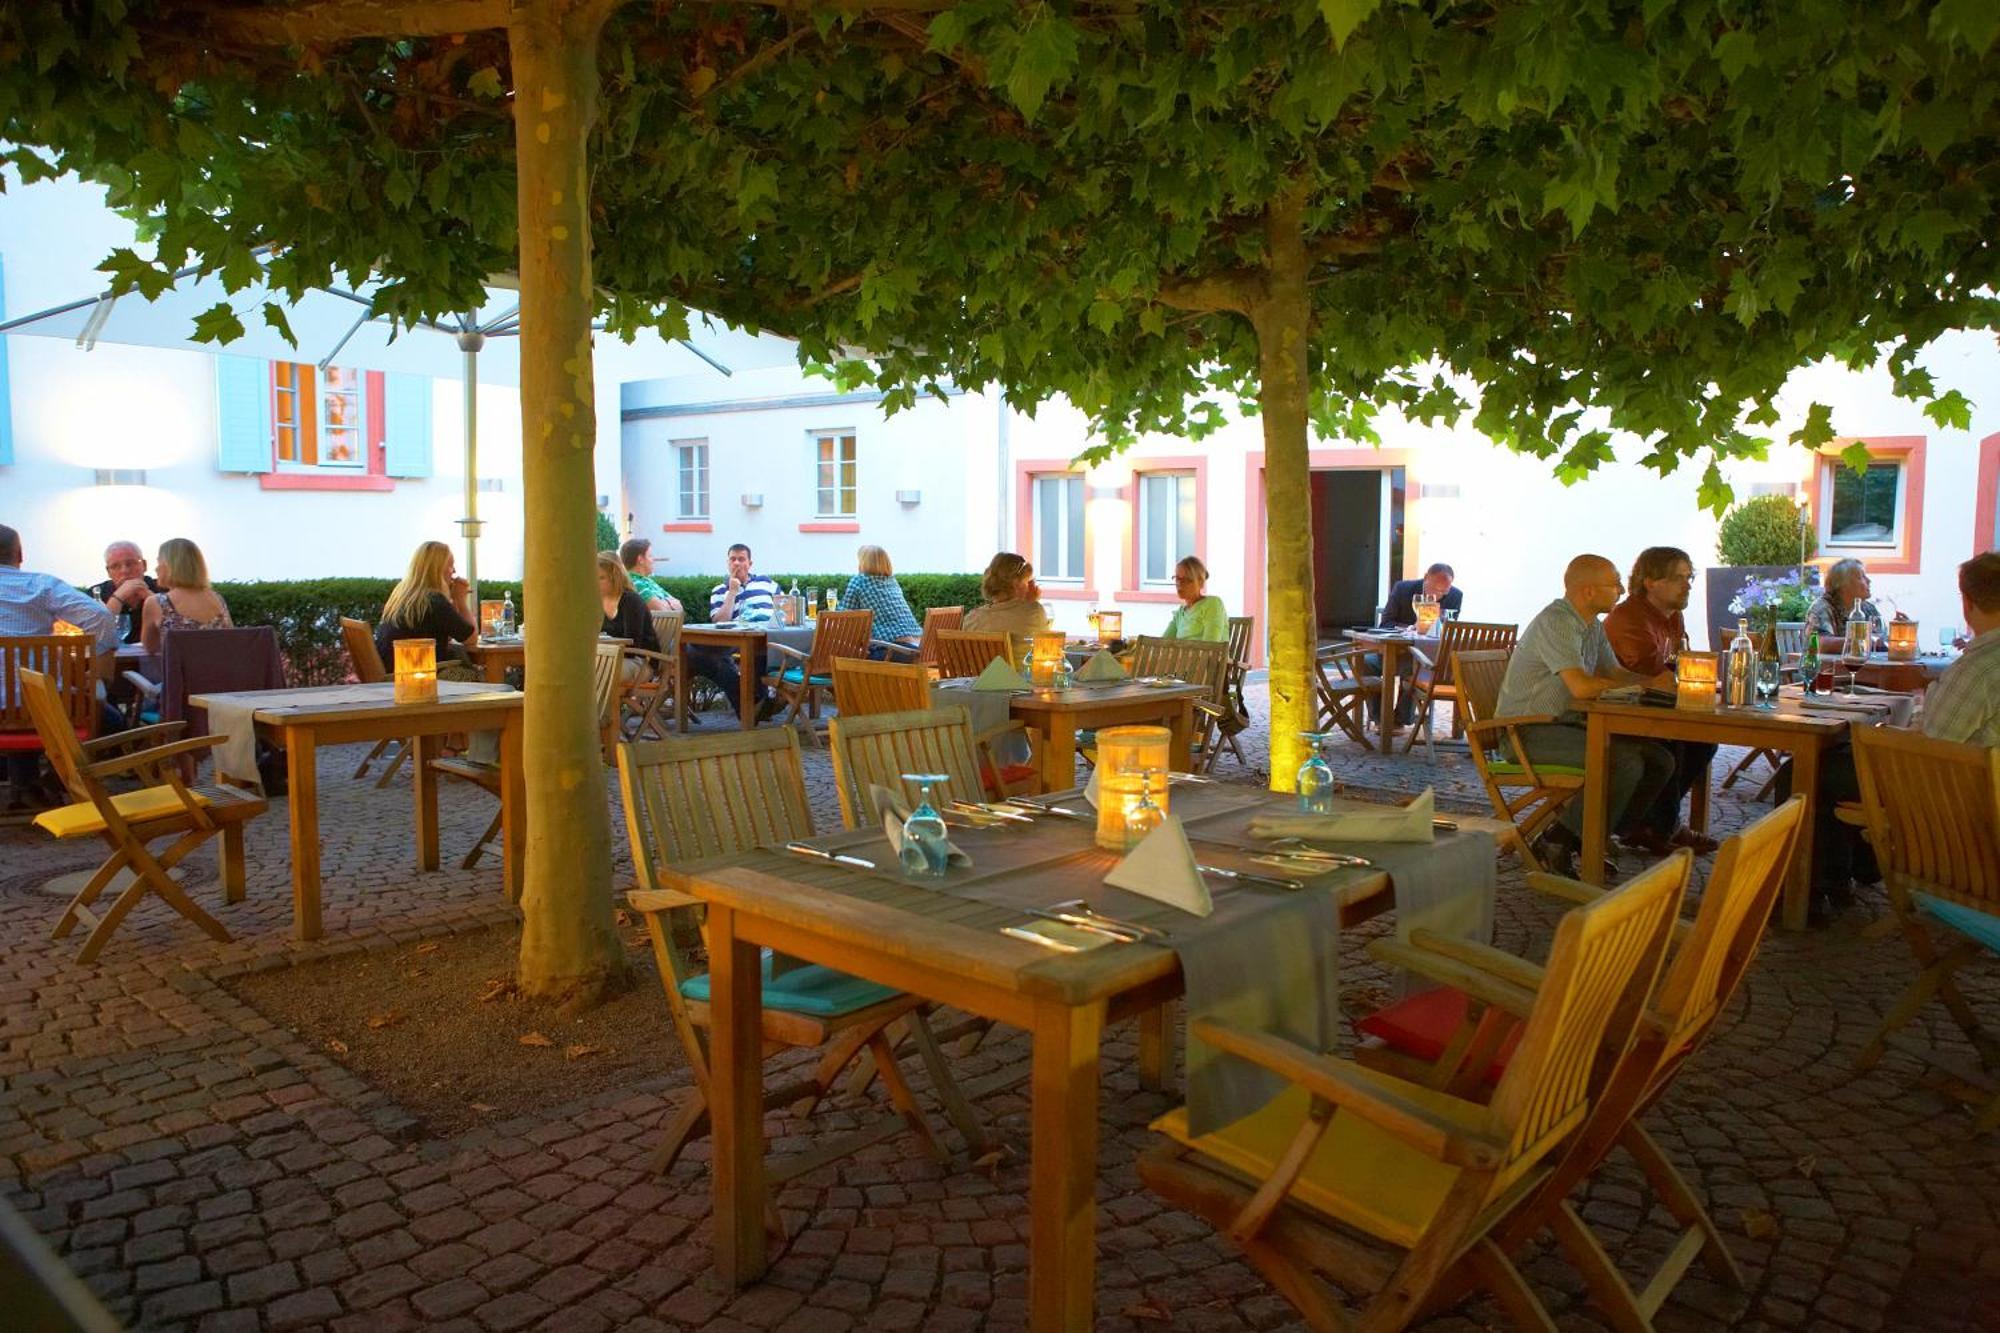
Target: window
{"points": [[1864, 508], [691, 470], [835, 473], [1168, 503], [1058, 552], [319, 417], [1875, 514]]}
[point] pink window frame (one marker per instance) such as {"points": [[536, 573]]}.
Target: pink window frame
{"points": [[1197, 464], [1025, 472], [1983, 515], [1906, 557], [375, 478]]}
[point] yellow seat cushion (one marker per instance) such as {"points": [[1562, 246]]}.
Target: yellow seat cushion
{"points": [[1359, 1174], [82, 819]]}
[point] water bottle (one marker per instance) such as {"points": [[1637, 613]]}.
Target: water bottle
{"points": [[1742, 668], [1855, 650], [507, 615]]}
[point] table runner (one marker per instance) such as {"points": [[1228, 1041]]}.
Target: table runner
{"points": [[234, 718]]}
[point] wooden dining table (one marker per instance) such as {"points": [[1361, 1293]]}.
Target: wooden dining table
{"points": [[294, 721], [949, 949], [1788, 728], [1054, 717], [1391, 644]]}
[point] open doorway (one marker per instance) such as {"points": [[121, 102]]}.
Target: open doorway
{"points": [[1357, 521]]}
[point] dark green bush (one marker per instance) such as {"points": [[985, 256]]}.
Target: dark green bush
{"points": [[1763, 530], [607, 534]]}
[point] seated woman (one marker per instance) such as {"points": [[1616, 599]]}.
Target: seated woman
{"points": [[874, 588], [625, 613], [1199, 616], [432, 602], [186, 602], [1013, 602], [1846, 587]]}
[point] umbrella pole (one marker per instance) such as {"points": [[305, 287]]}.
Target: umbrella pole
{"points": [[470, 342]]}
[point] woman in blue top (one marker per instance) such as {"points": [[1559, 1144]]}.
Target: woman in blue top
{"points": [[875, 589]]}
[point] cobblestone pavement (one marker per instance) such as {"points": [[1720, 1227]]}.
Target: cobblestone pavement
{"points": [[205, 1170]]}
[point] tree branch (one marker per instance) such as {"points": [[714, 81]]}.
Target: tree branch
{"points": [[1232, 291], [345, 20]]}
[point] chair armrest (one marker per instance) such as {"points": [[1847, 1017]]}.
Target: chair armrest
{"points": [[789, 651], [1566, 890], [1482, 985], [1370, 1096], [123, 740], [1510, 968], [158, 754], [992, 734], [905, 651], [142, 684], [659, 900], [1207, 709], [1424, 659]]}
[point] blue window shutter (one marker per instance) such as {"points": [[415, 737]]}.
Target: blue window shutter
{"points": [[6, 398], [406, 425], [243, 414]]}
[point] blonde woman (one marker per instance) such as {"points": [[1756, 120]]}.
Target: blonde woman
{"points": [[1013, 601], [185, 600], [1200, 615], [432, 602], [625, 613], [874, 588]]}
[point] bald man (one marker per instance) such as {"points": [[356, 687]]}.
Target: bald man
{"points": [[1562, 659]]}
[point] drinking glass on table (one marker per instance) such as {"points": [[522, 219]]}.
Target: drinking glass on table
{"points": [[1768, 676], [1947, 638], [1144, 817], [926, 850], [1315, 782]]}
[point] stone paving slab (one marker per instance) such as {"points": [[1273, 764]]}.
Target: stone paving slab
{"points": [[204, 1170]]}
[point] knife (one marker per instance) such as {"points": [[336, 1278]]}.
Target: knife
{"points": [[1109, 930], [1444, 825], [1245, 877], [969, 808], [1078, 907], [819, 855], [1040, 808]]}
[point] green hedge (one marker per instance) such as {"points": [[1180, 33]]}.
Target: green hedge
{"points": [[307, 612]]}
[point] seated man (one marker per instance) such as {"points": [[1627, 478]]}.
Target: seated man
{"points": [[1563, 658], [1646, 630], [637, 557], [747, 599], [1436, 582], [31, 604], [124, 593]]}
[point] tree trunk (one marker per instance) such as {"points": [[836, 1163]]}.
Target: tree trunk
{"points": [[569, 941], [1282, 315]]}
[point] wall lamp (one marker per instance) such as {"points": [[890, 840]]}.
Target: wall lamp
{"points": [[121, 476]]}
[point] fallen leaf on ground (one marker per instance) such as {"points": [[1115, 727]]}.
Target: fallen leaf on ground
{"points": [[336, 1045], [625, 918], [991, 1161], [1807, 1165], [535, 1039], [1151, 1309], [482, 1107], [416, 972], [377, 1022], [1759, 1225], [497, 988], [428, 946]]}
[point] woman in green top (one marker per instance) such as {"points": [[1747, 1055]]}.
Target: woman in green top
{"points": [[1199, 616]]}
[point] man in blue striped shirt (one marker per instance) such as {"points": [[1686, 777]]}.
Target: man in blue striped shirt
{"points": [[747, 599], [32, 604]]}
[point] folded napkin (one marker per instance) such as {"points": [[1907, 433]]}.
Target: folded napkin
{"points": [[1411, 823], [1101, 666], [1162, 867], [892, 824], [998, 676]]}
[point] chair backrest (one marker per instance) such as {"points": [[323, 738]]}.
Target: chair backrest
{"points": [[360, 640], [607, 673], [66, 660], [1197, 661], [881, 747], [936, 619], [1242, 633], [44, 704], [216, 661], [691, 797], [1480, 672], [1789, 638], [839, 634], [861, 687], [1600, 972], [1933, 814], [1463, 636], [966, 652], [667, 629]]}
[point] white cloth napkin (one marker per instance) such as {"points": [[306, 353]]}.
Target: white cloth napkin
{"points": [[998, 676], [1101, 666], [1411, 823], [1162, 867]]}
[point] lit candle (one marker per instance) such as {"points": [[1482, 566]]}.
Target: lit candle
{"points": [[1046, 657], [1110, 625], [1124, 756], [1902, 640], [489, 616], [1697, 680], [416, 671], [64, 627]]}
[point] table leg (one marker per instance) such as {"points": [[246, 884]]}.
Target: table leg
{"points": [[1385, 721], [1805, 782], [1062, 1242], [1698, 800], [681, 694], [1180, 748], [1596, 799], [513, 806], [302, 778], [425, 787], [1058, 749], [746, 686], [1156, 1046], [736, 1105]]}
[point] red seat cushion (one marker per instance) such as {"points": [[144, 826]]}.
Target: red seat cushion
{"points": [[1010, 776], [16, 741], [1423, 1024]]}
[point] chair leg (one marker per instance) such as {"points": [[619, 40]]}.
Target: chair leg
{"points": [[949, 1094], [232, 863], [689, 1121], [149, 876], [1607, 1286], [1498, 1274], [1673, 1190], [479, 847], [369, 758], [395, 762], [79, 903], [1933, 980], [902, 1098]]}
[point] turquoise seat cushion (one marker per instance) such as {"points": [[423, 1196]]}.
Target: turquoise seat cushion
{"points": [[1967, 921], [1508, 768], [796, 676], [815, 990]]}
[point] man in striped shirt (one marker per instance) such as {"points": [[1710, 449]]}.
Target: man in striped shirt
{"points": [[1964, 705], [747, 599], [31, 604]]}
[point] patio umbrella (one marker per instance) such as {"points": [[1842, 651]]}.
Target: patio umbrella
{"points": [[333, 324]]}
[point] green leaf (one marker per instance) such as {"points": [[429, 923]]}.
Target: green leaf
{"points": [[274, 315], [1104, 315], [1950, 410], [1045, 59], [485, 83], [1818, 429], [1735, 51], [217, 324], [1856, 456], [1715, 493], [1344, 16]]}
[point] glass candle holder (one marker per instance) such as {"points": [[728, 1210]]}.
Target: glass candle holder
{"points": [[1124, 756], [1110, 626], [1903, 641], [1697, 680], [1045, 657], [416, 671]]}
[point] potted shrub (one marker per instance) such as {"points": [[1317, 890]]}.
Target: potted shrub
{"points": [[1766, 538], [1766, 601]]}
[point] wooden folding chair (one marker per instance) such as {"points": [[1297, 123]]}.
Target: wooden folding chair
{"points": [[1341, 685], [967, 652], [1502, 760], [607, 686], [937, 620], [861, 687], [1788, 639], [806, 676], [1458, 1037], [691, 798], [67, 661], [1198, 662], [1437, 681], [1933, 811], [359, 637], [1355, 1179], [878, 748], [130, 820], [647, 700]]}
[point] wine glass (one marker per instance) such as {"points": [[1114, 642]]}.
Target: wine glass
{"points": [[1144, 817], [1315, 782], [926, 849], [1947, 638], [1768, 675]]}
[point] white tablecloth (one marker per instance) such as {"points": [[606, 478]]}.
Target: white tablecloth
{"points": [[234, 718]]}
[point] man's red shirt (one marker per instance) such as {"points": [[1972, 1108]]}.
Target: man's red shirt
{"points": [[1643, 636]]}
